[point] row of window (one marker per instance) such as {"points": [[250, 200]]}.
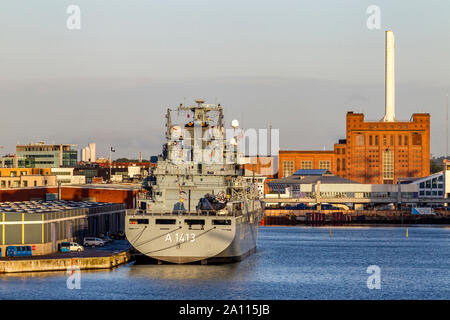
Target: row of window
{"points": [[432, 183], [288, 166], [338, 164], [39, 149], [431, 193], [16, 184], [39, 155], [44, 162], [402, 140]]}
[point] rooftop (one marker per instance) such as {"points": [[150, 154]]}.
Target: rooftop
{"points": [[48, 206], [312, 172], [311, 176]]}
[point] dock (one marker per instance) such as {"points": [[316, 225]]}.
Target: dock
{"points": [[90, 259], [348, 217]]}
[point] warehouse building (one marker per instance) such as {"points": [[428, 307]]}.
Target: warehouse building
{"points": [[43, 225], [322, 184]]}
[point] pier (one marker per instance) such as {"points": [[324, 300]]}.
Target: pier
{"points": [[92, 258]]}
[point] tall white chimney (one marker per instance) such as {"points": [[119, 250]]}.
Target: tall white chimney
{"points": [[389, 79]]}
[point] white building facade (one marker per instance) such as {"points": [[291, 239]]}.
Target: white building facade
{"points": [[88, 153]]}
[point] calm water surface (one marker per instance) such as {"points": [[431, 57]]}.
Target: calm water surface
{"points": [[290, 263]]}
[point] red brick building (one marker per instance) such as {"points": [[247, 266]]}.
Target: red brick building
{"points": [[373, 152]]}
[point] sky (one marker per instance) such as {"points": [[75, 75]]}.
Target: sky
{"points": [[296, 65]]}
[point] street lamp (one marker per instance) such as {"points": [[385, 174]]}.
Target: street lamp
{"points": [[110, 162]]}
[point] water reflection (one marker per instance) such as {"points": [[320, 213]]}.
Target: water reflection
{"points": [[53, 274], [230, 271]]}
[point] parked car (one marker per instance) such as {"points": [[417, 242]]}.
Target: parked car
{"points": [[92, 241], [71, 246]]}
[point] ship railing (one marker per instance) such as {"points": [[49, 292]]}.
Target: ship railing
{"points": [[165, 171], [144, 196], [202, 213]]}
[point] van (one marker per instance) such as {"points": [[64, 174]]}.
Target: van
{"points": [[18, 251], [70, 247], [91, 241]]}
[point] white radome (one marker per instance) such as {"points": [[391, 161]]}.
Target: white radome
{"points": [[235, 123]]}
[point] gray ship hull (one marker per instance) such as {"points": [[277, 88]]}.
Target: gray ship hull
{"points": [[191, 238]]}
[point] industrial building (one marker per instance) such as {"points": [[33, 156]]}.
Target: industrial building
{"points": [[67, 176], [435, 186], [113, 193], [43, 225], [373, 152], [321, 186]]}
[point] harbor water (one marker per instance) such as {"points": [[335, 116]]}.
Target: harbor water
{"points": [[290, 263]]}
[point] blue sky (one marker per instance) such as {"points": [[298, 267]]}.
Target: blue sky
{"points": [[298, 65]]}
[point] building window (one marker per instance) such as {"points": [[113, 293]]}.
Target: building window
{"points": [[388, 165], [416, 139], [406, 140], [343, 150], [35, 183], [359, 140], [343, 164], [306, 164], [338, 151], [399, 140], [25, 184], [384, 140], [288, 168], [324, 164], [370, 140], [392, 140], [338, 164], [376, 140]]}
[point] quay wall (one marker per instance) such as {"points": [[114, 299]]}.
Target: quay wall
{"points": [[63, 264]]}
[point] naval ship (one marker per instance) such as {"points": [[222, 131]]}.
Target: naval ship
{"points": [[197, 206]]}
